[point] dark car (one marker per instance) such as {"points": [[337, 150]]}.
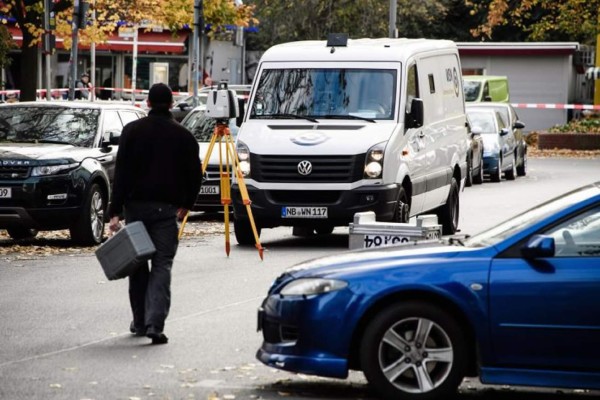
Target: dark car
{"points": [[515, 305], [499, 144], [203, 127], [512, 122], [474, 156], [57, 162]]}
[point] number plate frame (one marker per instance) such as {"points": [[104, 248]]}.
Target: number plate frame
{"points": [[5, 193], [304, 212], [215, 190]]}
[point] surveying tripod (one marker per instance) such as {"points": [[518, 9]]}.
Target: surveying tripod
{"points": [[222, 135]]}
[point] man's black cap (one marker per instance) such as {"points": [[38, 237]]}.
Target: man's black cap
{"points": [[160, 94]]}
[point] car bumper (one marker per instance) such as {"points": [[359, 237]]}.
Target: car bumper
{"points": [[490, 164], [341, 204], [42, 202], [309, 335]]}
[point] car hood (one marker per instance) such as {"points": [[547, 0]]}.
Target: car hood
{"points": [[352, 262], [37, 153], [274, 137]]}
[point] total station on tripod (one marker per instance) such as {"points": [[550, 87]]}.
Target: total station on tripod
{"points": [[222, 104]]}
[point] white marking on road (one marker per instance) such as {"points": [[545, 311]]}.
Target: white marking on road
{"points": [[113, 336]]}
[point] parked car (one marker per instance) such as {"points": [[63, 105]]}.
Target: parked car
{"points": [[499, 144], [57, 162], [515, 305], [480, 88], [512, 122], [203, 127], [474, 156], [184, 106]]}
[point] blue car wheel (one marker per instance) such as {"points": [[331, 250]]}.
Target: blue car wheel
{"points": [[414, 351]]}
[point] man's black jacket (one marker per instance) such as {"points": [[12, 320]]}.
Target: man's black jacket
{"points": [[158, 160]]}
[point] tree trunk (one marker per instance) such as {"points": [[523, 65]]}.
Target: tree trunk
{"points": [[29, 69]]}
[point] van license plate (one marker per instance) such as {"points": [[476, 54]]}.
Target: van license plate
{"points": [[303, 212], [5, 193], [209, 190]]}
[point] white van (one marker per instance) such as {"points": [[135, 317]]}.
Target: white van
{"points": [[332, 129]]}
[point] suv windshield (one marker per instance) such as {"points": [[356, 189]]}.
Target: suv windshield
{"points": [[471, 89], [326, 93], [75, 126]]}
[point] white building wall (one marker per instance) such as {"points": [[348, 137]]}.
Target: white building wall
{"points": [[538, 79]]}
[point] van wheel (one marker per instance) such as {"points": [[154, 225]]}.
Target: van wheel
{"points": [[448, 213], [243, 232], [402, 211], [88, 230], [20, 233], [413, 350], [469, 178], [522, 169]]}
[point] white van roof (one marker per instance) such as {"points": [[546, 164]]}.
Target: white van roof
{"points": [[384, 49]]}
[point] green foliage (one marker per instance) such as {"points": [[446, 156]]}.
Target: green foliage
{"points": [[585, 125], [6, 45]]}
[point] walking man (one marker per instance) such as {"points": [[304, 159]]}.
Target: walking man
{"points": [[157, 179]]}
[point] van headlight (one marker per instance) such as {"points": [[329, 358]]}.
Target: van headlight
{"points": [[244, 157], [312, 286], [374, 161], [44, 170]]}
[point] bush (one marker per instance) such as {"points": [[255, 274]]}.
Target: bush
{"points": [[590, 124]]}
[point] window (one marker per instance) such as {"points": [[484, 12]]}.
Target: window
{"points": [[431, 84], [112, 124], [579, 236], [412, 86]]}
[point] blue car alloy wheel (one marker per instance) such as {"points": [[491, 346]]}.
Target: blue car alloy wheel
{"points": [[413, 350]]}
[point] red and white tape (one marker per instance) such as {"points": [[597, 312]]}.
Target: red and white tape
{"points": [[557, 106]]}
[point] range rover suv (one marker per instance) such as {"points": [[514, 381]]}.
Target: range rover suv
{"points": [[57, 163]]}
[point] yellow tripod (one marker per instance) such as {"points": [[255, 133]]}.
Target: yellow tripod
{"points": [[222, 135]]}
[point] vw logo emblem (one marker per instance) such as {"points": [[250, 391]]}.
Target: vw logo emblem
{"points": [[304, 167]]}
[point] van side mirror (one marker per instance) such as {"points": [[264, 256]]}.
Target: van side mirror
{"points": [[539, 246], [240, 118], [504, 131], [416, 116], [476, 130]]}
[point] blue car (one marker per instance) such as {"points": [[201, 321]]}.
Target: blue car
{"points": [[518, 304]]}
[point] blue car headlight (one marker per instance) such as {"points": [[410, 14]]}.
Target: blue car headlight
{"points": [[312, 286]]}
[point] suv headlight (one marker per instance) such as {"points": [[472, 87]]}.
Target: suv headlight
{"points": [[244, 157], [374, 161], [52, 169], [311, 286]]}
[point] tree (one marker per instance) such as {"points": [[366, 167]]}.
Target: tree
{"points": [[174, 14], [288, 20], [539, 19]]}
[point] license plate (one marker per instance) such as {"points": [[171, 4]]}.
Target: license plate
{"points": [[304, 212], [5, 193], [209, 190]]}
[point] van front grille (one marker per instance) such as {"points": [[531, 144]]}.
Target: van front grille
{"points": [[324, 169]]}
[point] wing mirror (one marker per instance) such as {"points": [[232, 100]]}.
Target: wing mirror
{"points": [[476, 130], [504, 131], [415, 118], [519, 125], [113, 139], [240, 118], [183, 106], [539, 246]]}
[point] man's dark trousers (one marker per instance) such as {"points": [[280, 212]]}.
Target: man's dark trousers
{"points": [[150, 289]]}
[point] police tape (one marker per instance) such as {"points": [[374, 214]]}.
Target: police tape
{"points": [[557, 106]]}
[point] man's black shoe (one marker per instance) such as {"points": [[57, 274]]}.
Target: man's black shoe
{"points": [[156, 336], [136, 331]]}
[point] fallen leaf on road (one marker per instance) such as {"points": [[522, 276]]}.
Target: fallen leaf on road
{"points": [[228, 396], [55, 385]]}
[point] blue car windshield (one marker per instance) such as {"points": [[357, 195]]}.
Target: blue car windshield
{"points": [[471, 90], [516, 224], [325, 93]]}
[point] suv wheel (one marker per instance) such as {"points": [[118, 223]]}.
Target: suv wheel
{"points": [[19, 233], [413, 350], [243, 232], [448, 213], [88, 230]]}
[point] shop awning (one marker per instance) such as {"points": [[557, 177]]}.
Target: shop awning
{"points": [[148, 42], [592, 73]]}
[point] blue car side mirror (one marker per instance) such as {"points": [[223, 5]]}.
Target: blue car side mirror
{"points": [[539, 246]]}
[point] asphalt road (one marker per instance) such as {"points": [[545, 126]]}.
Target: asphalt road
{"points": [[64, 328]]}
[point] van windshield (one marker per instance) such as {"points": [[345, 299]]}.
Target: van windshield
{"points": [[472, 89], [325, 93]]}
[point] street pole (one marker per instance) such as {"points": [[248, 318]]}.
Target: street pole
{"points": [[134, 63], [74, 44], [47, 52], [393, 11], [197, 38], [93, 56]]}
